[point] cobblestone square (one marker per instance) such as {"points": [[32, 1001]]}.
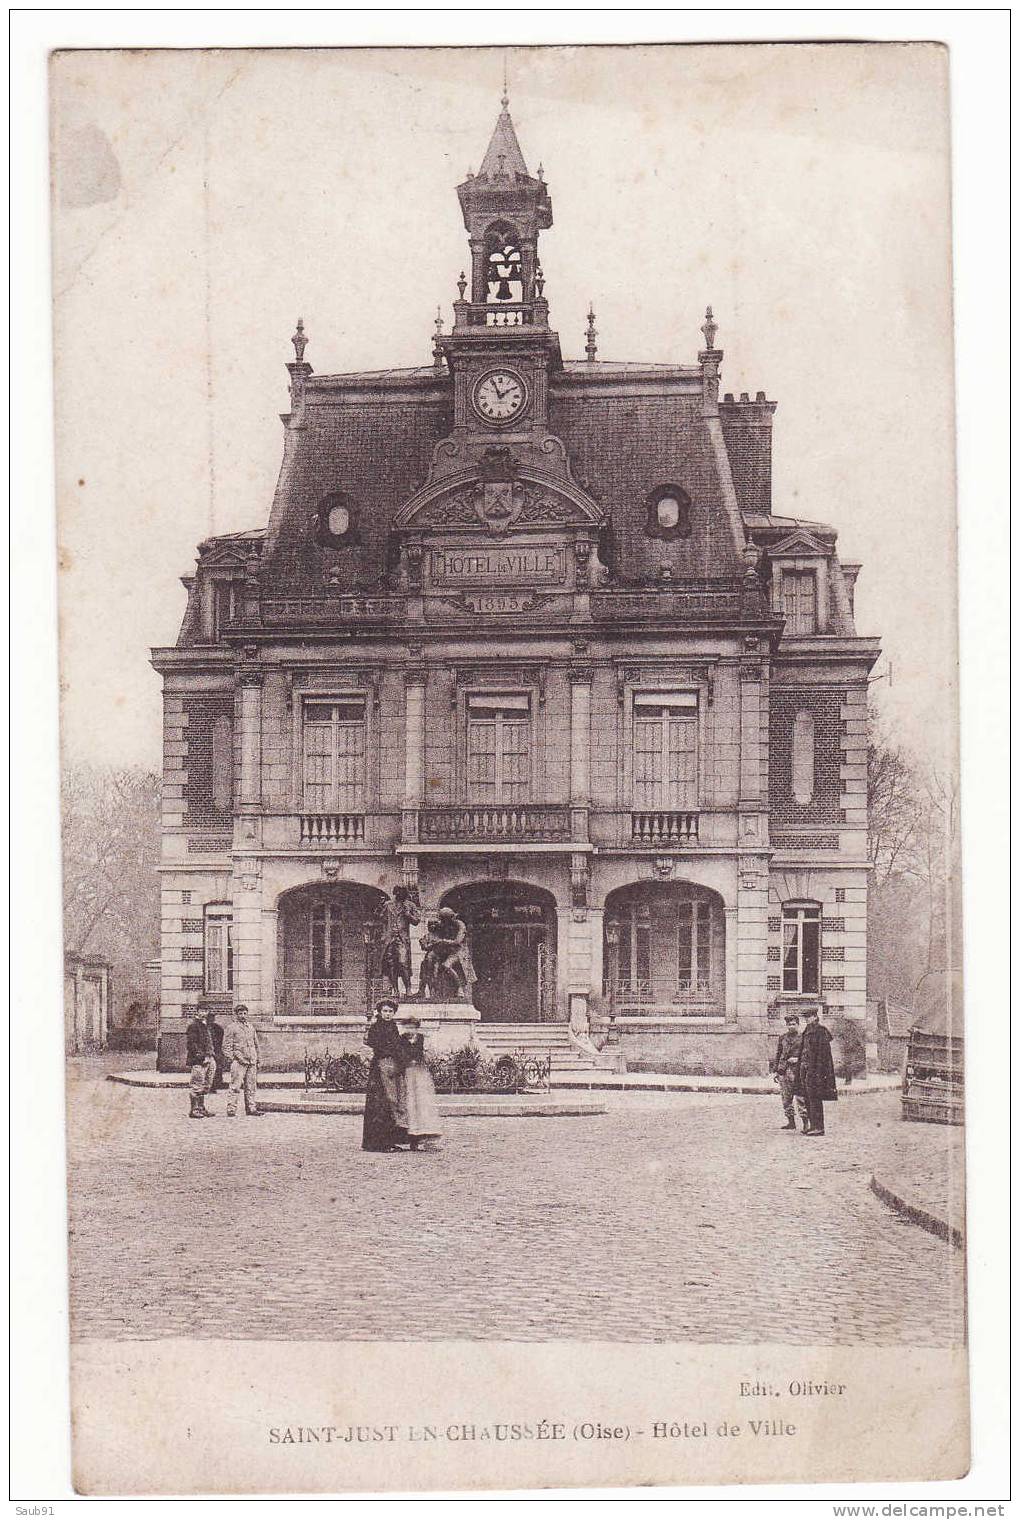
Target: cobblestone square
{"points": [[672, 1217]]}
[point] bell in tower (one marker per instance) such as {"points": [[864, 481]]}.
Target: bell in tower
{"points": [[504, 210]]}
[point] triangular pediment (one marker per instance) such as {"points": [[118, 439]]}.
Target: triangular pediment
{"points": [[800, 543], [521, 503]]}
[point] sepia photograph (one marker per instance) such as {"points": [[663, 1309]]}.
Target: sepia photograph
{"points": [[509, 749]]}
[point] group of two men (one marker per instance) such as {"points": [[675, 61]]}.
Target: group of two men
{"points": [[211, 1050], [804, 1070]]}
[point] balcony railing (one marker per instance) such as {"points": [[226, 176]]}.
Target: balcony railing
{"points": [[538, 822], [694, 997], [333, 828], [326, 997], [658, 827]]}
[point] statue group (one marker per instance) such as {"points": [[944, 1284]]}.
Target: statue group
{"points": [[447, 973]]}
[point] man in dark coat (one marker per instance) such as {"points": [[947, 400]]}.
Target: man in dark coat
{"points": [[216, 1034], [202, 1063], [816, 1076], [784, 1066]]}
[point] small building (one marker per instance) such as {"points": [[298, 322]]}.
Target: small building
{"points": [[888, 1030], [88, 989], [524, 632]]}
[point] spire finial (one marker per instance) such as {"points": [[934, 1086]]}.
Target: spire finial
{"points": [[505, 97], [589, 347], [709, 327], [300, 341]]}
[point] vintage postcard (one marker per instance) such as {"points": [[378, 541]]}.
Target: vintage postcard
{"points": [[510, 811]]}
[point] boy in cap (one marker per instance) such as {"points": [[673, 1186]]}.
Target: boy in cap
{"points": [[202, 1062], [784, 1067]]}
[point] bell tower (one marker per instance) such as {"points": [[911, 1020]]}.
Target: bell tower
{"points": [[500, 351]]}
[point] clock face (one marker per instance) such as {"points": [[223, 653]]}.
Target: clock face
{"points": [[499, 396]]}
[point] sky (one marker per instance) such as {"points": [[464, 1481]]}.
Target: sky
{"points": [[203, 201]]}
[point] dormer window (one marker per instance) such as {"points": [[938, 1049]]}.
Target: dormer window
{"points": [[668, 513], [335, 521], [799, 601]]}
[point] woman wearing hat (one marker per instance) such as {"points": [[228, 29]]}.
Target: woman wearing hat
{"points": [[385, 1119], [421, 1111]]}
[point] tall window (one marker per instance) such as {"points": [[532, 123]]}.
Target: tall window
{"points": [[800, 601], [224, 605], [636, 946], [219, 948], [499, 747], [802, 928], [665, 750], [326, 942], [335, 756], [695, 945]]}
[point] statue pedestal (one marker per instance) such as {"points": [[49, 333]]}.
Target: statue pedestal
{"points": [[446, 1026]]}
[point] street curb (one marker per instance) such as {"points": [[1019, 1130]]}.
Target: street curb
{"points": [[917, 1213], [283, 1081], [479, 1108]]}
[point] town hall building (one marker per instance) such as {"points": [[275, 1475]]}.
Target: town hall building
{"points": [[522, 632]]}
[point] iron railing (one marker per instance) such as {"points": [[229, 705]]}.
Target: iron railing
{"points": [[462, 1071], [326, 997], [511, 822], [693, 997]]}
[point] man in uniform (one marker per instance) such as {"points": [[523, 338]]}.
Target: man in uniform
{"points": [[784, 1067], [203, 1065], [816, 1076], [241, 1049]]}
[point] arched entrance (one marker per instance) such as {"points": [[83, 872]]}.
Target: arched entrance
{"points": [[325, 950], [512, 931], [665, 949]]}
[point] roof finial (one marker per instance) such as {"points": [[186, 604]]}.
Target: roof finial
{"points": [[437, 343], [505, 97], [589, 347], [462, 284], [300, 341], [539, 280], [709, 327]]}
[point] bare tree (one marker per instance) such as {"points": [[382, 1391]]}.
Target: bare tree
{"points": [[110, 847]]}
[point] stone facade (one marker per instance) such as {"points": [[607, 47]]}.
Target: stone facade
{"points": [[523, 633]]}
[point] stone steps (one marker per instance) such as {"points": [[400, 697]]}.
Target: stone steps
{"points": [[547, 1040]]}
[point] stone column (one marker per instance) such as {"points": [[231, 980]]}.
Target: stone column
{"points": [[730, 962], [414, 750], [249, 721], [580, 750], [270, 929]]}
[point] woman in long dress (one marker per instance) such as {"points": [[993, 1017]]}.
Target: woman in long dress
{"points": [[421, 1111], [385, 1124]]}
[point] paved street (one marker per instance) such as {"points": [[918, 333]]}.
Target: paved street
{"points": [[671, 1217]]}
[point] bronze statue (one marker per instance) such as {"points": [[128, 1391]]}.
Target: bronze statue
{"points": [[447, 964], [396, 916]]}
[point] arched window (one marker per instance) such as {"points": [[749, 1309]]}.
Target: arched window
{"points": [[802, 758], [223, 765]]}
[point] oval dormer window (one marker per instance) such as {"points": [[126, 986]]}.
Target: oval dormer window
{"points": [[336, 520], [667, 512], [803, 758]]}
